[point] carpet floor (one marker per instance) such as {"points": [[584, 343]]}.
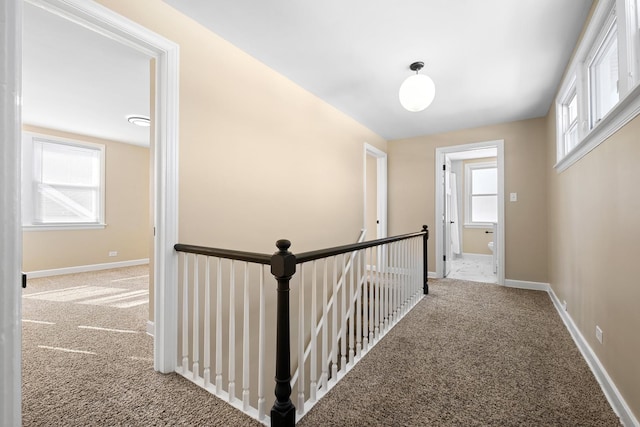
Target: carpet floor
{"points": [[87, 360], [469, 354]]}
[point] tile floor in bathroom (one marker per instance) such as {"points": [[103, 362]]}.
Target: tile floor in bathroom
{"points": [[476, 268]]}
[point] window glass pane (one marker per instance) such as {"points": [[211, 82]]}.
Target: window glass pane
{"points": [[571, 138], [66, 183], [484, 181], [572, 110], [604, 76], [484, 209], [66, 164], [67, 204]]}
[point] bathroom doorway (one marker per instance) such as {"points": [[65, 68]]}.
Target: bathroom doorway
{"points": [[470, 204]]}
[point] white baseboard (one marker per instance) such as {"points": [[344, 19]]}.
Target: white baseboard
{"points": [[432, 275], [85, 268], [523, 284], [151, 328], [610, 390]]}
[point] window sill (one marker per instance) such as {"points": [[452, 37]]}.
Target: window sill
{"points": [[625, 111], [487, 225], [65, 227]]}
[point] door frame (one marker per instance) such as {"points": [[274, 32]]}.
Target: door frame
{"points": [[441, 152], [165, 186], [381, 177], [10, 220]]}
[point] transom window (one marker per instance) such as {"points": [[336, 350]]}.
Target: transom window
{"points": [[481, 191], [62, 183]]}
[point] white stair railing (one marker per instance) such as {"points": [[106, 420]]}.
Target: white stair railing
{"points": [[369, 296], [229, 334], [339, 303]]}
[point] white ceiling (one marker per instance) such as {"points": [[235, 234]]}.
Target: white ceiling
{"points": [[78, 81], [492, 61]]}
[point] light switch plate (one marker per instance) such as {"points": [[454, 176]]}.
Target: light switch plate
{"points": [[513, 197]]}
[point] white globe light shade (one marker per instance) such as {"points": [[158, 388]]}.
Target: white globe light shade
{"points": [[417, 92]]}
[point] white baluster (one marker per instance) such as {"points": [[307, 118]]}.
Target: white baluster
{"points": [[385, 285], [351, 310], [300, 405], [185, 315], [406, 279], [343, 317], [372, 288], [196, 320], [261, 352], [392, 281], [232, 333], [358, 308], [207, 323], [334, 329], [325, 326], [313, 323], [245, 342], [218, 326], [377, 295]]}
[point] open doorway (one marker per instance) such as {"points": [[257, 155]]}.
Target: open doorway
{"points": [[470, 204], [164, 158], [375, 193]]}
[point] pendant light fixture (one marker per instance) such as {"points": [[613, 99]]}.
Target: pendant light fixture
{"points": [[417, 91]]}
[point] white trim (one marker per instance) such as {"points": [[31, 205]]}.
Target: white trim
{"points": [[151, 328], [500, 238], [381, 175], [609, 388], [629, 105], [85, 268], [10, 221], [104, 21], [523, 284], [623, 112], [432, 275]]}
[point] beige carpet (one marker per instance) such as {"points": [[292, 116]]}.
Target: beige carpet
{"points": [[108, 379], [470, 354]]}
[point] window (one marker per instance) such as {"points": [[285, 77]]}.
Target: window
{"points": [[62, 183], [481, 191], [603, 76], [570, 120], [601, 90]]}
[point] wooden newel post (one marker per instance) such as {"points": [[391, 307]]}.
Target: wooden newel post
{"points": [[283, 267], [425, 272]]}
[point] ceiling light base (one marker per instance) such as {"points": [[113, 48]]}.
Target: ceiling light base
{"points": [[416, 66]]}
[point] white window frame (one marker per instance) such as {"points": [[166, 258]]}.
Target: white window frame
{"points": [[468, 196], [590, 135], [29, 198]]}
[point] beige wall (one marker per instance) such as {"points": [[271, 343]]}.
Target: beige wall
{"points": [[412, 190], [260, 158], [594, 243], [126, 212]]}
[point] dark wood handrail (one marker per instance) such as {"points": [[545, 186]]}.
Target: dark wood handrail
{"points": [[225, 253], [259, 258], [324, 253]]}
